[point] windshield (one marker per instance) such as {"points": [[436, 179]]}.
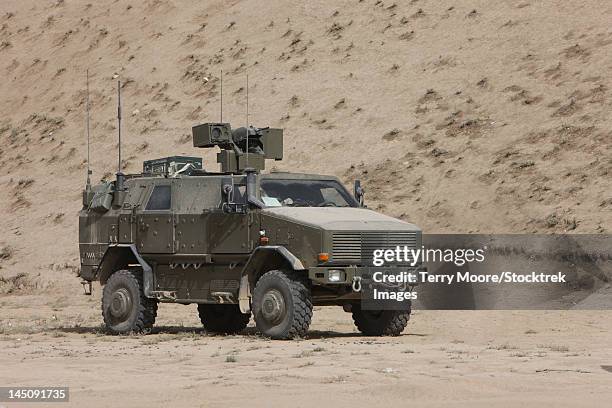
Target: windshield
{"points": [[305, 193]]}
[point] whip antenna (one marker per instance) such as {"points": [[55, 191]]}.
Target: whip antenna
{"points": [[221, 121], [88, 185], [247, 120], [119, 184], [119, 122]]}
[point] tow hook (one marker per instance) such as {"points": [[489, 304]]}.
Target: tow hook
{"points": [[357, 283]]}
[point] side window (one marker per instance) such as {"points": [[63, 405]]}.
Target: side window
{"points": [[161, 198]]}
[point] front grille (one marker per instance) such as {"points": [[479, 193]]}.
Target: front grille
{"points": [[357, 247]]}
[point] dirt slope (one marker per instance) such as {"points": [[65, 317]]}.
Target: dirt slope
{"points": [[459, 116]]}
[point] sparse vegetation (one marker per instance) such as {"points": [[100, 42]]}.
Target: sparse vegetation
{"points": [[392, 135], [505, 346], [6, 252], [15, 283], [555, 347]]}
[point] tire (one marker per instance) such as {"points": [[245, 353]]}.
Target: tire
{"points": [[125, 308], [282, 305], [226, 319], [380, 323]]}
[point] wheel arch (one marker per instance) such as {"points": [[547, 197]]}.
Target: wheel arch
{"points": [[263, 259], [121, 256]]}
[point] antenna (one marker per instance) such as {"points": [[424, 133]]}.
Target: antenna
{"points": [[119, 122], [119, 184], [88, 185], [247, 120], [221, 121]]}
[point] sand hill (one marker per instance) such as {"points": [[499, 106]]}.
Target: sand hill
{"points": [[470, 116]]}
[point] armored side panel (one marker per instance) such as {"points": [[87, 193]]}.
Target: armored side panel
{"points": [[255, 161], [212, 134], [92, 242], [272, 141], [136, 193], [196, 198], [232, 163], [229, 233], [102, 197], [227, 160]]}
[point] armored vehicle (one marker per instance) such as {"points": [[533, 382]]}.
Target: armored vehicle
{"points": [[236, 242]]}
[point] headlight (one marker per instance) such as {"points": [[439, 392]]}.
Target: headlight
{"points": [[336, 275]]}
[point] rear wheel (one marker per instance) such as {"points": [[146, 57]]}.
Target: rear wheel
{"points": [[222, 318], [125, 308], [380, 322], [282, 304]]}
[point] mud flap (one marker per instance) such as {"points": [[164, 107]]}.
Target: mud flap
{"points": [[244, 295], [257, 261], [110, 258], [147, 273]]}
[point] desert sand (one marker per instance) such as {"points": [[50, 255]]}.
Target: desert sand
{"points": [[471, 116], [444, 358]]}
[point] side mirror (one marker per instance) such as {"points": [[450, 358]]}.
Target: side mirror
{"points": [[359, 193]]}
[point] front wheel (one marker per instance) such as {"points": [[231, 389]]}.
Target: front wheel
{"points": [[282, 304], [124, 306], [380, 322]]}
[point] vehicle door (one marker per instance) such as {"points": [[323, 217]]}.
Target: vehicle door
{"points": [[155, 219], [229, 225]]}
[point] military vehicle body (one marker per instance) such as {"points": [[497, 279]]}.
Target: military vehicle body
{"points": [[235, 242]]}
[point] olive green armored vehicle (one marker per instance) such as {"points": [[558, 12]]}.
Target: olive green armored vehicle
{"points": [[236, 242]]}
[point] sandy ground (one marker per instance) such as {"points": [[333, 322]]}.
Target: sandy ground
{"points": [[444, 358], [471, 116]]}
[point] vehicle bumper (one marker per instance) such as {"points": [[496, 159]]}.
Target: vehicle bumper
{"points": [[326, 275]]}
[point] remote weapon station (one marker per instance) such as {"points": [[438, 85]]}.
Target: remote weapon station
{"points": [[236, 242]]}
